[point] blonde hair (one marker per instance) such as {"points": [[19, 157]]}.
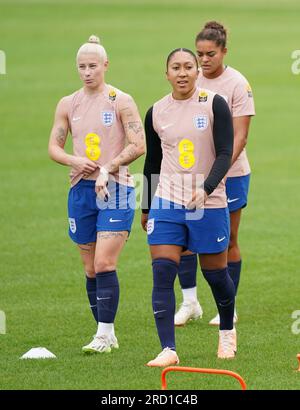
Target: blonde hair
{"points": [[93, 46]]}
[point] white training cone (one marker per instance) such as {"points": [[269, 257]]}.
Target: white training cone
{"points": [[38, 353]]}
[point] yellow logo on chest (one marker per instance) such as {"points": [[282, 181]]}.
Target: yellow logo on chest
{"points": [[92, 142]]}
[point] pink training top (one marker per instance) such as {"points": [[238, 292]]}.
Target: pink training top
{"points": [[97, 130], [185, 128], [235, 89]]}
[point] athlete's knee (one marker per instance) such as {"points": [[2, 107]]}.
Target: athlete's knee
{"points": [[104, 265], [88, 266], [90, 273]]}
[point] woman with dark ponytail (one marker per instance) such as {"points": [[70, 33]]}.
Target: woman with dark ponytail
{"points": [[211, 49]]}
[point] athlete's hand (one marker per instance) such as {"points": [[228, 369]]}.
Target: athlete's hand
{"points": [[144, 220], [83, 165], [198, 200], [101, 184]]}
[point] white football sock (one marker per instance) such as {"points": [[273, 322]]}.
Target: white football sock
{"points": [[190, 294], [104, 329]]}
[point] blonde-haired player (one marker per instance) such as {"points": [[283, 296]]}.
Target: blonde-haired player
{"points": [[234, 88], [107, 135]]}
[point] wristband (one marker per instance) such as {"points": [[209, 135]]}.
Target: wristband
{"points": [[104, 172]]}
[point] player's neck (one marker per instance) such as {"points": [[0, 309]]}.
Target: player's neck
{"points": [[220, 70], [179, 96], [94, 90]]}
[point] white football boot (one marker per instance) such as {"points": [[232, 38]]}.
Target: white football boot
{"points": [[227, 344], [189, 310], [166, 358], [101, 344]]}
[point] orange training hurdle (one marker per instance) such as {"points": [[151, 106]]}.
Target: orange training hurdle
{"points": [[200, 370]]}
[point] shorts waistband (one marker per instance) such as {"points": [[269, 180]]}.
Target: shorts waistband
{"points": [[86, 182]]}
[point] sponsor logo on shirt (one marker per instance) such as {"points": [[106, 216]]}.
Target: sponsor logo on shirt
{"points": [[112, 95], [249, 91], [108, 118], [203, 96], [201, 122]]}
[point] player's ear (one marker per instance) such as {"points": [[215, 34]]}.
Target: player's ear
{"points": [[106, 65], [225, 51]]}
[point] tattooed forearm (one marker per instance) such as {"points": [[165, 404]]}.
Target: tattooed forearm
{"points": [[61, 136], [126, 157], [132, 154]]}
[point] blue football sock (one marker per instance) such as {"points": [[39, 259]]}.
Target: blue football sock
{"points": [[234, 269], [187, 271], [91, 288], [224, 294], [107, 296], [163, 300]]}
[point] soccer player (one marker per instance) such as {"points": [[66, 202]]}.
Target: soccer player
{"points": [[107, 135], [189, 137], [235, 89]]}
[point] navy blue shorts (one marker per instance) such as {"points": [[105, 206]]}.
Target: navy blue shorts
{"points": [[200, 231], [89, 215], [237, 189]]}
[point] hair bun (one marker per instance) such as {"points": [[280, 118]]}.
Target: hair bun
{"points": [[94, 39], [214, 25]]}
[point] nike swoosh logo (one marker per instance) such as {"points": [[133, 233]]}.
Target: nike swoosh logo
{"points": [[115, 220], [91, 306], [221, 239], [159, 311], [232, 200], [164, 127], [103, 298], [76, 118]]}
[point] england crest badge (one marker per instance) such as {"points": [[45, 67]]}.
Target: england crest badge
{"points": [[201, 122], [72, 224], [150, 226], [108, 118]]}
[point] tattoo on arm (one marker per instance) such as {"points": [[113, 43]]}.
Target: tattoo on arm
{"points": [[127, 112], [135, 126], [132, 152], [61, 136], [124, 109]]}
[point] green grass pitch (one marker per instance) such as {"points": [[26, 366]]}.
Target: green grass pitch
{"points": [[42, 287]]}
